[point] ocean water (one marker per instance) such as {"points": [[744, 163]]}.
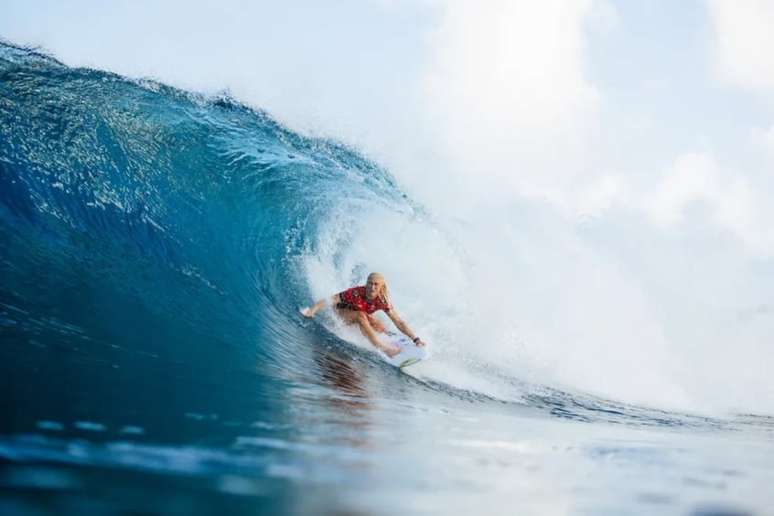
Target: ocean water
{"points": [[155, 246]]}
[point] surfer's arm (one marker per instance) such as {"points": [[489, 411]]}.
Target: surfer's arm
{"points": [[312, 310], [402, 326]]}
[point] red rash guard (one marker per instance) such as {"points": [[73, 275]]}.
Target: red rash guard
{"points": [[355, 299]]}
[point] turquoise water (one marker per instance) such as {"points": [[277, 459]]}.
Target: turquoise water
{"points": [[155, 246]]}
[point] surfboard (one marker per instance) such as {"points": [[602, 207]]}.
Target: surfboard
{"points": [[410, 353]]}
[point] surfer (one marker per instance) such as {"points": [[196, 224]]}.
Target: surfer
{"points": [[357, 306]]}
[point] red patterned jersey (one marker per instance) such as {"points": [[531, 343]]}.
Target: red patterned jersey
{"points": [[355, 299]]}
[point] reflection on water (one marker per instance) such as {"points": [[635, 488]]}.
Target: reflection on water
{"points": [[338, 372]]}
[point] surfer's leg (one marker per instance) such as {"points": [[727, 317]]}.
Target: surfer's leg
{"points": [[368, 331], [362, 320], [376, 324]]}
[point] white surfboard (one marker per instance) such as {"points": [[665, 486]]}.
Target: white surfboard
{"points": [[409, 354]]}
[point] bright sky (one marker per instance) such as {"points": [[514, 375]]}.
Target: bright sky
{"points": [[654, 120]]}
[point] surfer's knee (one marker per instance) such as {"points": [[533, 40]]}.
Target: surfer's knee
{"points": [[376, 324], [362, 322]]}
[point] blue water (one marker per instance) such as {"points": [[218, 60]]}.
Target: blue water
{"points": [[152, 251]]}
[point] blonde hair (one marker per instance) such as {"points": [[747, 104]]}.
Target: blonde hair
{"points": [[385, 293]]}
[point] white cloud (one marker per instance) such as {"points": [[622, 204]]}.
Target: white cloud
{"points": [[690, 179], [509, 63], [744, 40], [604, 17], [731, 200], [507, 92], [763, 139]]}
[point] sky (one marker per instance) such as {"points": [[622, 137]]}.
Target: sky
{"points": [[641, 133]]}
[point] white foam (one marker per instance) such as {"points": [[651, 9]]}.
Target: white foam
{"points": [[528, 295]]}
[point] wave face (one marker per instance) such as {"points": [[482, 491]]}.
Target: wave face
{"points": [[142, 216]]}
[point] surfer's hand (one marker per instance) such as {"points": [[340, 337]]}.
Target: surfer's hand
{"points": [[420, 344], [307, 312]]}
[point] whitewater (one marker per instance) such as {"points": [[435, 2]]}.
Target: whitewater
{"points": [[155, 246]]}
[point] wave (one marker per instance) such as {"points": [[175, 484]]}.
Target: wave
{"points": [[190, 228], [130, 204]]}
